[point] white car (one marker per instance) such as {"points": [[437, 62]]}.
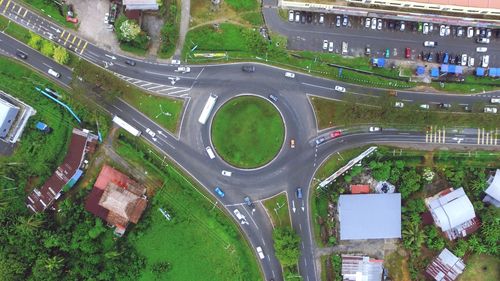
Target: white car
{"points": [[183, 69], [483, 40], [447, 31], [289, 74], [424, 106], [402, 28], [330, 47], [379, 24], [321, 18], [470, 32], [426, 28], [260, 253], [374, 23], [226, 173], [325, 44], [340, 89], [442, 30], [176, 62], [464, 60], [150, 132], [240, 217], [374, 129], [54, 73], [430, 44], [290, 16], [368, 22], [210, 152], [399, 104], [486, 60], [471, 61], [490, 110], [481, 49]]}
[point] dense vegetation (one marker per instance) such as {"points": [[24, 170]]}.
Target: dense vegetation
{"points": [[286, 246], [169, 32]]}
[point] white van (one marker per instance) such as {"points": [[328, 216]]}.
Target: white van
{"points": [[495, 100], [54, 73], [210, 152]]}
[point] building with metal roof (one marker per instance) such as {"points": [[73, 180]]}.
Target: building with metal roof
{"points": [[493, 191], [370, 216], [140, 4], [445, 267], [361, 268], [14, 115], [453, 213]]}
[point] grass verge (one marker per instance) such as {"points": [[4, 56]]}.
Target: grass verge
{"points": [[199, 240], [481, 268], [239, 11], [331, 113], [255, 128], [49, 9], [277, 208]]}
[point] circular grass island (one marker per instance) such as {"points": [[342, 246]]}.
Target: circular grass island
{"points": [[247, 132]]}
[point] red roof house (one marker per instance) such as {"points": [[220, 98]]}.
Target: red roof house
{"points": [[360, 189], [117, 199]]}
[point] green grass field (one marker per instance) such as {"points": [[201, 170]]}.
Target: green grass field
{"points": [[277, 207], [247, 132], [226, 38], [481, 268], [199, 242], [165, 111], [49, 9]]}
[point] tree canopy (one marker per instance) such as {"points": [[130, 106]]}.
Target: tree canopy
{"points": [[286, 245]]}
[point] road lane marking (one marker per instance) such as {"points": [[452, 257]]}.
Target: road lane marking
{"points": [[26, 12], [62, 34], [66, 41], [73, 41], [1, 1], [6, 6], [444, 134], [478, 135], [317, 86], [83, 49]]}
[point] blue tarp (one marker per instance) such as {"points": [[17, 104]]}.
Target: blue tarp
{"points": [[74, 178], [445, 59], [434, 72], [454, 69], [479, 71], [380, 62], [420, 70], [41, 126], [494, 72]]}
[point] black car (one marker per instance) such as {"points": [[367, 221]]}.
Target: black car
{"points": [[248, 68], [130, 62], [309, 17], [21, 55], [391, 25], [457, 59], [303, 18]]}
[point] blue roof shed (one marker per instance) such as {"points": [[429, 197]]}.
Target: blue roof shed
{"points": [[479, 71], [420, 70], [434, 72], [494, 72], [380, 62]]}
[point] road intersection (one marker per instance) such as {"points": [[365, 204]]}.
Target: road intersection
{"points": [[291, 169]]}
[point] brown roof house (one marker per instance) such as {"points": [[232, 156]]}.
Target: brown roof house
{"points": [[117, 199], [445, 267]]}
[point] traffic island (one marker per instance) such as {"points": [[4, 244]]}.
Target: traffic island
{"points": [[247, 132]]}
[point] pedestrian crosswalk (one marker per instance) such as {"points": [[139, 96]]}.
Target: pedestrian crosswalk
{"points": [[159, 89], [435, 134], [487, 137], [438, 134], [72, 42]]}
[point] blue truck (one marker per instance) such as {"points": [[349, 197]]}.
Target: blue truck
{"points": [[43, 127]]}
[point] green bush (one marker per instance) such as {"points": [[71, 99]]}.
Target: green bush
{"points": [[169, 32]]}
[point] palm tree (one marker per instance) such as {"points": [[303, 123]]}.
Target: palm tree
{"points": [[54, 263], [413, 236], [28, 225]]}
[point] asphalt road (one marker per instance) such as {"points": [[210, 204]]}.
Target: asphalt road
{"points": [[291, 169], [310, 36]]}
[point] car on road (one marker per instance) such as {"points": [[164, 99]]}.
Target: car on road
{"points": [[260, 253], [289, 74], [486, 60], [464, 60], [470, 32], [292, 143], [339, 89], [330, 47], [430, 44], [321, 18], [336, 134], [471, 61], [445, 105], [130, 62], [337, 21], [325, 44], [320, 140], [248, 68], [240, 217], [183, 69], [495, 100], [176, 62], [226, 173], [379, 24], [248, 201], [290, 16], [426, 28], [299, 191], [424, 106], [481, 49], [367, 23], [54, 73], [297, 17], [210, 152], [375, 129], [442, 30], [273, 98], [483, 40], [219, 192], [374, 23], [21, 55], [399, 104], [407, 53], [490, 110], [150, 132], [345, 21]]}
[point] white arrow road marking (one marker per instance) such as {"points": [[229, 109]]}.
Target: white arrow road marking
{"points": [[303, 207], [111, 57], [293, 206]]}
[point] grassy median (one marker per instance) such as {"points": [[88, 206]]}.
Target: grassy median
{"points": [[248, 132], [277, 207]]}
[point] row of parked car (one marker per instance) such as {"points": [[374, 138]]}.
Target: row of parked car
{"points": [[450, 58]]}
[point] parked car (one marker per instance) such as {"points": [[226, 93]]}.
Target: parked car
{"points": [[297, 17], [273, 98], [379, 24], [425, 29], [483, 40], [374, 23], [375, 129], [367, 23], [309, 17], [486, 60], [330, 47], [176, 62], [387, 53], [430, 44], [336, 134], [290, 16], [424, 106], [321, 18], [219, 192], [447, 31], [299, 191], [399, 104], [445, 105], [345, 21], [289, 74], [338, 21], [407, 53], [442, 30], [470, 32], [460, 31], [248, 68], [464, 60], [21, 55], [490, 110], [303, 17], [339, 89], [488, 33], [481, 49], [402, 27], [471, 61], [368, 51], [325, 44]]}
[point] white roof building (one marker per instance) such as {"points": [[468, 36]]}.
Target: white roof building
{"points": [[8, 113], [140, 4], [453, 213], [493, 190], [14, 115]]}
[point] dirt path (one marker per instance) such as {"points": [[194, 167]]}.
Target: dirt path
{"points": [[184, 26]]}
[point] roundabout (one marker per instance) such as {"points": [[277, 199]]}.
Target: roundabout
{"points": [[247, 132]]}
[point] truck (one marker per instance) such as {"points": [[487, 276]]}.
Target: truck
{"points": [[126, 126], [207, 109]]}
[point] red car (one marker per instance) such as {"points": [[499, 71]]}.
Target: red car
{"points": [[336, 134], [407, 53], [70, 19]]}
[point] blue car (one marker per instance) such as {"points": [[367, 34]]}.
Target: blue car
{"points": [[219, 192], [299, 193]]}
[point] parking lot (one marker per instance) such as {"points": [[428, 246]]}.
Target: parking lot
{"points": [[392, 39]]}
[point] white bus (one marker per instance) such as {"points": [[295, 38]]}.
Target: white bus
{"points": [[126, 126], [207, 109]]}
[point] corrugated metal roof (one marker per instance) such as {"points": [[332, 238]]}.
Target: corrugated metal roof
{"points": [[445, 267], [370, 216], [452, 209]]}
